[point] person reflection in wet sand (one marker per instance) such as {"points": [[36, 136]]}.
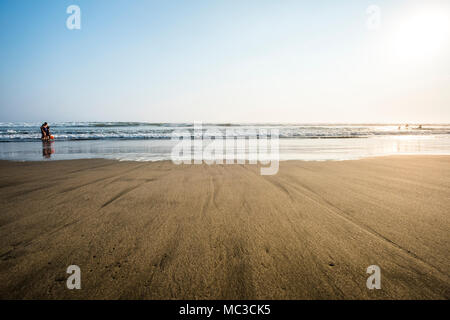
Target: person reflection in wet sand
{"points": [[47, 149]]}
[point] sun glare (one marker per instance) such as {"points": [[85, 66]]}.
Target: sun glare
{"points": [[421, 34]]}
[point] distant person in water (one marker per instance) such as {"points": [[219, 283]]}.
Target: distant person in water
{"points": [[45, 132]]}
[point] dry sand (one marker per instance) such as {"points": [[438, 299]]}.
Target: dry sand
{"points": [[161, 231]]}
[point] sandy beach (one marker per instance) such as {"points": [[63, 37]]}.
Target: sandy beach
{"points": [[155, 230]]}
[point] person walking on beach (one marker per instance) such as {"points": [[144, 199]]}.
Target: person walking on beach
{"points": [[45, 131]]}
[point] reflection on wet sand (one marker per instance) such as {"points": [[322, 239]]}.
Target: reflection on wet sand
{"points": [[289, 149], [47, 149]]}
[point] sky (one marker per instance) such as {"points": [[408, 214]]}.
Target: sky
{"points": [[226, 61]]}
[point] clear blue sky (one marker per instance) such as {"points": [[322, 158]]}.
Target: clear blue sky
{"points": [[224, 61]]}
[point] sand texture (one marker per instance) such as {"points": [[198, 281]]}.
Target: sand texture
{"points": [[141, 230]]}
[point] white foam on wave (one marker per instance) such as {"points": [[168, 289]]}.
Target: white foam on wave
{"points": [[10, 132]]}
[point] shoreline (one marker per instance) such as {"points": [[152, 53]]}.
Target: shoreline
{"points": [[287, 149], [156, 230], [203, 161]]}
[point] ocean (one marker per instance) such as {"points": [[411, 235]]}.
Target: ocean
{"points": [[139, 141]]}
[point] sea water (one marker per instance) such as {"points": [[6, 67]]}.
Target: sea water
{"points": [[137, 141]]}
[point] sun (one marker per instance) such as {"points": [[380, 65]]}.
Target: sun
{"points": [[422, 33]]}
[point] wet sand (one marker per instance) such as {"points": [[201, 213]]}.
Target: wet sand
{"points": [[141, 230]]}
